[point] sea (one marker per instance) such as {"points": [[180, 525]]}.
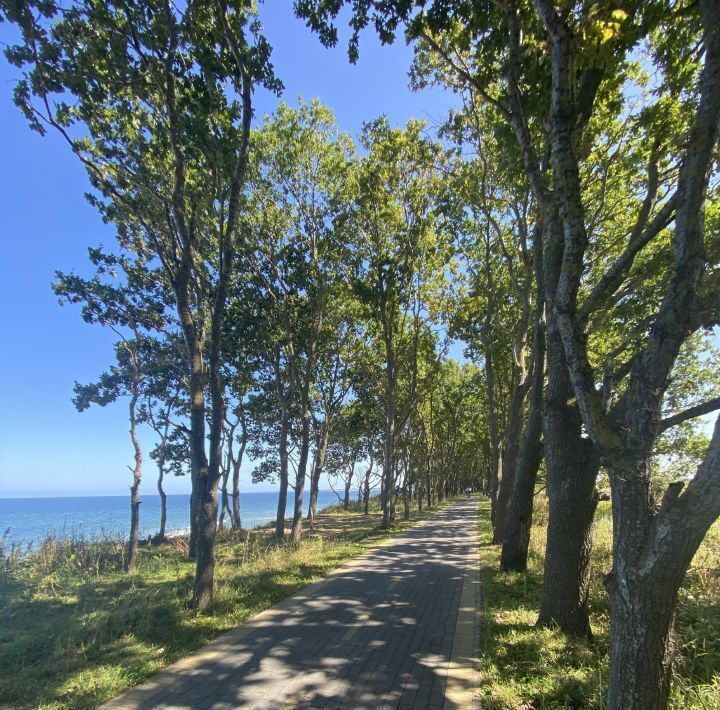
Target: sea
{"points": [[28, 521]]}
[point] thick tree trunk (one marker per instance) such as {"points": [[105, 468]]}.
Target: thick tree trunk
{"points": [[572, 467], [509, 461], [207, 484], [652, 550], [207, 529], [641, 647], [517, 536], [198, 456]]}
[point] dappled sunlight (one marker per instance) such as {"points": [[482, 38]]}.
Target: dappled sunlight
{"points": [[524, 666], [378, 632]]}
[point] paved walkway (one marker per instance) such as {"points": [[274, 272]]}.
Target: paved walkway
{"points": [[396, 628]]}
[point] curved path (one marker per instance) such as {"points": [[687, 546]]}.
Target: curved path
{"points": [[398, 627]]}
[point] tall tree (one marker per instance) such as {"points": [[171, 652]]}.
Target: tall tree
{"points": [[299, 191], [399, 269], [555, 74], [139, 92]]}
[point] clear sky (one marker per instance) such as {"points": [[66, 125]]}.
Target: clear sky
{"points": [[46, 447]]}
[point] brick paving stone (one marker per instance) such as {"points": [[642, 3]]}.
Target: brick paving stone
{"points": [[377, 633]]}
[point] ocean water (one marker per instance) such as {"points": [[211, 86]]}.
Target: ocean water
{"points": [[26, 520]]}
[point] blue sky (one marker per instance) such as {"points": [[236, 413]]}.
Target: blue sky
{"points": [[46, 447]]}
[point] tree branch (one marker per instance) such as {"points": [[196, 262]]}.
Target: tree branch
{"points": [[690, 413]]}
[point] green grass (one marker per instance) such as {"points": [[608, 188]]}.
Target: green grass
{"points": [[76, 631], [524, 667]]}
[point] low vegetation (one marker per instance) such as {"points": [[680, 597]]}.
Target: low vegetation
{"points": [[76, 630], [524, 666]]}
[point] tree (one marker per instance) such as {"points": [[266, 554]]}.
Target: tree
{"points": [[555, 76], [345, 450], [299, 189], [399, 269], [124, 297], [139, 94], [164, 409]]}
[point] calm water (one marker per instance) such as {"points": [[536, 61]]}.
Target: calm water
{"points": [[33, 519]]}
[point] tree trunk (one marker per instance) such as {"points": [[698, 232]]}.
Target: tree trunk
{"points": [[641, 647], [388, 490], [509, 461], [494, 437], [198, 456], [346, 493], [517, 534], [237, 463], [282, 495], [572, 467], [160, 537], [205, 566], [428, 482], [225, 498], [137, 474], [318, 465], [366, 487], [301, 475], [519, 521], [235, 517], [207, 484], [406, 499], [652, 550]]}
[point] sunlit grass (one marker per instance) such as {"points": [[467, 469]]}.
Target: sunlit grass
{"points": [[75, 630], [524, 667]]}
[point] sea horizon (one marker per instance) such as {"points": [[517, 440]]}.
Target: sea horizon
{"points": [[27, 521]]}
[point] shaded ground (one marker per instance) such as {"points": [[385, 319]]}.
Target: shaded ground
{"points": [[76, 631], [378, 633]]}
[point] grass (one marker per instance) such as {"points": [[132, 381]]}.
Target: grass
{"points": [[524, 667], [76, 631]]}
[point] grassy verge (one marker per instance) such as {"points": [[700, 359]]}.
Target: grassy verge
{"points": [[75, 630], [523, 667]]}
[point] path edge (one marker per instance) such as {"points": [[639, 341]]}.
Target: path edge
{"points": [[462, 691]]}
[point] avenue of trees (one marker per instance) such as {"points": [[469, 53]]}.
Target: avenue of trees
{"points": [[288, 294]]}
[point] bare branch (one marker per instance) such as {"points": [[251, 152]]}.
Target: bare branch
{"points": [[690, 413]]}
